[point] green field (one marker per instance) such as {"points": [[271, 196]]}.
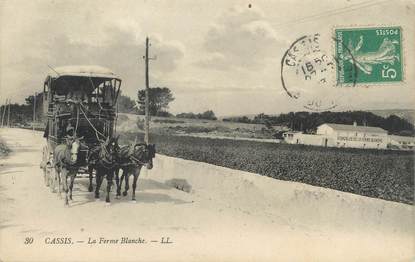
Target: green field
{"points": [[375, 173]]}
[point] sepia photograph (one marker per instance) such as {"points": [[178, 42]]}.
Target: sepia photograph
{"points": [[179, 130]]}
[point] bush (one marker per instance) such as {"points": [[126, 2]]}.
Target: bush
{"points": [[168, 121], [164, 114], [4, 149], [208, 115]]}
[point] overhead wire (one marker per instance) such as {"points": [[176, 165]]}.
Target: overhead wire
{"points": [[332, 12]]}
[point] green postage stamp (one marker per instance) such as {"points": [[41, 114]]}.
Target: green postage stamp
{"points": [[369, 55]]}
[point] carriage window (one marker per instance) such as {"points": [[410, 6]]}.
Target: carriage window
{"points": [[106, 91]]}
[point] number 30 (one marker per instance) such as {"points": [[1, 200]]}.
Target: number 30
{"points": [[28, 240]]}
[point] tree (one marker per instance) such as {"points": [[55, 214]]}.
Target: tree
{"points": [[159, 100], [39, 105], [209, 115], [190, 115], [308, 122], [125, 104]]}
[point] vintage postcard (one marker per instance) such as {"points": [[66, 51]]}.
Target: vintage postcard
{"points": [[207, 130]]}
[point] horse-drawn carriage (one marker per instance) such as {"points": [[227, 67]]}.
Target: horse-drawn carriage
{"points": [[80, 109], [79, 101]]}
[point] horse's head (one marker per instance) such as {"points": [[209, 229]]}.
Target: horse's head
{"points": [[144, 153], [111, 148], [112, 144], [74, 144]]}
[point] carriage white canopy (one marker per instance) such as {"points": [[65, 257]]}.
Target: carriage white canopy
{"points": [[85, 80], [83, 70]]}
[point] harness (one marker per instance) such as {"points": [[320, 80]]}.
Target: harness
{"points": [[131, 160], [137, 161], [107, 164]]}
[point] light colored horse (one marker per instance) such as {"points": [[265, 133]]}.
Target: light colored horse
{"points": [[65, 158]]}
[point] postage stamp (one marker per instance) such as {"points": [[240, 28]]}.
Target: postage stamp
{"points": [[376, 53]]}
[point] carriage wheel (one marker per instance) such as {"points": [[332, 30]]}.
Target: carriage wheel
{"points": [[53, 180], [44, 166], [46, 176]]}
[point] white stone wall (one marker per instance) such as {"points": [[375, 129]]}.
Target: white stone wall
{"points": [[306, 139]]}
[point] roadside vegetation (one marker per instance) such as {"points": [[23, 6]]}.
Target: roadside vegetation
{"points": [[196, 127], [4, 149]]}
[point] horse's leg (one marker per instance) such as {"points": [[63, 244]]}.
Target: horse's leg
{"points": [[72, 176], [110, 176], [56, 188], [122, 178], [98, 178], [64, 174], [48, 175], [90, 170], [53, 178], [127, 170], [59, 180], [136, 175], [117, 181], [45, 175]]}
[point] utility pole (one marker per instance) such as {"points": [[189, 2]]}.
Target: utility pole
{"points": [[34, 112], [147, 101]]}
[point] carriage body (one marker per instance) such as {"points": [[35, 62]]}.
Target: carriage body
{"points": [[82, 99]]}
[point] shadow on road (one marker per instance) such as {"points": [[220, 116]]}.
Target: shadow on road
{"points": [[25, 149], [6, 167], [82, 197], [4, 224]]}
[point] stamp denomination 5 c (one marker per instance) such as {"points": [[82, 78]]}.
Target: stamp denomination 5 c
{"points": [[375, 52]]}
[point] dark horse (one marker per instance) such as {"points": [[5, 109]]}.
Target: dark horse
{"points": [[103, 159], [131, 159], [65, 159]]}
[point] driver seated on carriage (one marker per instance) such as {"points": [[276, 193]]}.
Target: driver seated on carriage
{"points": [[69, 133], [77, 96]]}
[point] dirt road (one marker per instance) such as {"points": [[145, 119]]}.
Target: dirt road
{"points": [[228, 216]]}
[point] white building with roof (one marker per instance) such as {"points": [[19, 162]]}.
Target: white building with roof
{"points": [[401, 142], [337, 135]]}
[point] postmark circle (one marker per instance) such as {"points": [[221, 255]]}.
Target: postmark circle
{"points": [[308, 74]]}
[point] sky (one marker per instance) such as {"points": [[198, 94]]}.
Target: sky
{"points": [[215, 55]]}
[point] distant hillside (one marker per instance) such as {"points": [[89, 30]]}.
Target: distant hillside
{"points": [[407, 114], [309, 121]]}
